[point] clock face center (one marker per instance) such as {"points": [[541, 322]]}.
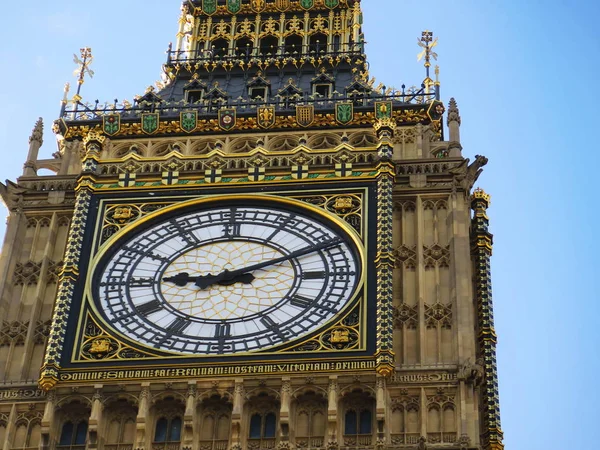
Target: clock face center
{"points": [[237, 299]]}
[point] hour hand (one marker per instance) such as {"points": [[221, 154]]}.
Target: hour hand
{"points": [[181, 279]]}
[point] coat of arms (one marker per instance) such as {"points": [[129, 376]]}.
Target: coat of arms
{"points": [[227, 118], [234, 6], [344, 112], [266, 116], [282, 5], [150, 123], [307, 4], [188, 121], [305, 115], [383, 110], [332, 3], [209, 6], [111, 124]]}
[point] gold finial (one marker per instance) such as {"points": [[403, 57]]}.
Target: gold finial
{"points": [[427, 43], [480, 194]]}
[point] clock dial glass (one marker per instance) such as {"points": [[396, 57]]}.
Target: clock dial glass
{"points": [[228, 278]]}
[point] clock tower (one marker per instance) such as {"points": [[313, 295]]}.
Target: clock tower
{"points": [[266, 250]]}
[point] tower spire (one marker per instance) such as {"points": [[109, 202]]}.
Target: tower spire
{"points": [[35, 142]]}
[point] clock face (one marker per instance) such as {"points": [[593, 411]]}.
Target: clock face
{"points": [[228, 277]]}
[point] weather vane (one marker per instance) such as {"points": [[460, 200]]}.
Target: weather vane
{"points": [[427, 43]]}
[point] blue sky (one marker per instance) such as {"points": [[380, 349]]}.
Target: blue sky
{"points": [[524, 76]]}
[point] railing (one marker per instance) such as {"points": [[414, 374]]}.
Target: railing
{"points": [[360, 440], [166, 445], [118, 446], [70, 447], [85, 111], [405, 438], [310, 443], [249, 54], [214, 445], [261, 444], [441, 438]]}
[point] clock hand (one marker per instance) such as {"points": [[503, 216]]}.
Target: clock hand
{"points": [[182, 279], [226, 276]]}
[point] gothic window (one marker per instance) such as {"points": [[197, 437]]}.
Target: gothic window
{"points": [[73, 435], [215, 424], [441, 419], [194, 96], [262, 430], [293, 44], [311, 419], [27, 434], [168, 430], [358, 419], [121, 428], [405, 426], [269, 46], [220, 48]]}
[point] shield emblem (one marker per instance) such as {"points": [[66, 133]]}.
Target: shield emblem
{"points": [[227, 118], [282, 5], [234, 6], [344, 112], [111, 124], [258, 5], [266, 116], [305, 115], [332, 3], [150, 123], [188, 121], [209, 6], [383, 110], [307, 4]]}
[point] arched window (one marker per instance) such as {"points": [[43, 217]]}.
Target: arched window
{"points": [[220, 48], [358, 419], [318, 43], [293, 44], [121, 426], [269, 46], [73, 435], [311, 410], [244, 47], [215, 425], [168, 430], [27, 434], [263, 426]]}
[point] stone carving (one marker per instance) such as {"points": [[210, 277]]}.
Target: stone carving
{"points": [[438, 315], [472, 372], [406, 316], [406, 256], [436, 255], [27, 273], [466, 175], [422, 445]]}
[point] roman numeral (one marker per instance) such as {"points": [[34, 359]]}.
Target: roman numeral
{"points": [[223, 330], [232, 230], [314, 275], [177, 326], [142, 282], [146, 309], [300, 302]]}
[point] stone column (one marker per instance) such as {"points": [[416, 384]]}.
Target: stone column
{"points": [[332, 412], [237, 415], [48, 421], [142, 418], [190, 416], [95, 421], [10, 429], [284, 413]]}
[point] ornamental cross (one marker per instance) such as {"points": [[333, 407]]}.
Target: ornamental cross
{"points": [[427, 43], [83, 64]]}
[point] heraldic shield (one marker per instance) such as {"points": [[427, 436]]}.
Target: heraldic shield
{"points": [[188, 120], [209, 6], [344, 112], [111, 124], [305, 115], [282, 5], [227, 118], [266, 116], [150, 123], [234, 6], [307, 4]]}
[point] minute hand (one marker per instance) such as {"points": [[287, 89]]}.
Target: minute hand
{"points": [[204, 281]]}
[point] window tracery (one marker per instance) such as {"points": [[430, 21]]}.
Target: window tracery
{"points": [[311, 420], [262, 422], [358, 419], [215, 423]]}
